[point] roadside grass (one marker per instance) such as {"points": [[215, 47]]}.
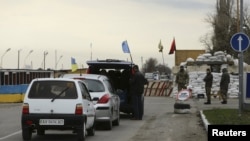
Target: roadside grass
{"points": [[227, 116]]}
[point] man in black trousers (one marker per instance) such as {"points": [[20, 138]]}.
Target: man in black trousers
{"points": [[137, 82]]}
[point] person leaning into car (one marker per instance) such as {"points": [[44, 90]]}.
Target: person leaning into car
{"points": [[137, 82]]}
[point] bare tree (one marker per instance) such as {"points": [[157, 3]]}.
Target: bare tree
{"points": [[152, 65], [225, 23]]}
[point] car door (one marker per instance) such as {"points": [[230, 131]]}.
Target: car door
{"points": [[89, 108]]}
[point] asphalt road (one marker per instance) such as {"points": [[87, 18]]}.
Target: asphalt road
{"points": [[159, 123]]}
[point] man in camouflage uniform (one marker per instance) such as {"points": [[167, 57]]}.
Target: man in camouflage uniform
{"points": [[208, 79], [182, 79], [224, 82]]}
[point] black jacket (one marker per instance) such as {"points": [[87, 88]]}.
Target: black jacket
{"points": [[137, 82], [208, 80]]}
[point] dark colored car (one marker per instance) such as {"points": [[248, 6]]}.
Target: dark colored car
{"points": [[119, 72]]}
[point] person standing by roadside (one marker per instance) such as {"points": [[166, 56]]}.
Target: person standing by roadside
{"points": [[208, 79], [137, 82], [224, 82], [182, 79]]}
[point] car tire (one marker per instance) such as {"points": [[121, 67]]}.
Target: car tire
{"points": [[81, 133], [26, 133], [91, 130], [40, 132], [109, 124], [181, 108], [117, 121]]}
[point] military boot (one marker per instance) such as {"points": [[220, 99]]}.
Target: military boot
{"points": [[208, 102]]}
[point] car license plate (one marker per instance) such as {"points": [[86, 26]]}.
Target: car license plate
{"points": [[51, 122]]}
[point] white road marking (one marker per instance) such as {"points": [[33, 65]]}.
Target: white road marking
{"points": [[5, 137]]}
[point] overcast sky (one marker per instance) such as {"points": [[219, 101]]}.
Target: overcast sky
{"points": [[86, 29]]}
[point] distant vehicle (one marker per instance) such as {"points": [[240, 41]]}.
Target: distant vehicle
{"points": [[152, 75], [156, 75], [149, 75], [57, 104], [105, 98], [164, 77], [119, 72]]}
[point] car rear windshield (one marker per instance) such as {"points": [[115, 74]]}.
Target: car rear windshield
{"points": [[52, 89], [94, 85]]}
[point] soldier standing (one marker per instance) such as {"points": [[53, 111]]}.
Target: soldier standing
{"points": [[224, 82], [182, 79], [208, 85]]}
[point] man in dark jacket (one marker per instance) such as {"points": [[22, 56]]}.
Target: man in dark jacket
{"points": [[208, 85], [224, 82], [137, 82]]}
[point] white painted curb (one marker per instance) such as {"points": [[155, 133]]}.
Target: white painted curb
{"points": [[204, 120]]}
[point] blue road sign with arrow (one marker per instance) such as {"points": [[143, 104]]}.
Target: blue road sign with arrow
{"points": [[239, 42]]}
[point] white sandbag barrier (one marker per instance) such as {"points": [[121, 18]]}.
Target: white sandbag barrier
{"points": [[197, 73], [158, 88], [197, 85]]}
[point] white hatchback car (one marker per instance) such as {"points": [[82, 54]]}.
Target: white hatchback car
{"points": [[58, 104], [106, 101]]}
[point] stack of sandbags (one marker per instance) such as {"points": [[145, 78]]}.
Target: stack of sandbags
{"points": [[198, 85]]}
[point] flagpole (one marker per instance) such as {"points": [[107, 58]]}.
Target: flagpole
{"points": [[162, 58], [131, 57], [91, 51], [161, 50], [126, 49], [130, 53]]}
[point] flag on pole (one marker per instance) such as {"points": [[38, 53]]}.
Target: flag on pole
{"points": [[160, 46], [125, 47], [173, 47], [74, 66]]}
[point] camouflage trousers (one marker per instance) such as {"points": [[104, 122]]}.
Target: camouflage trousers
{"points": [[223, 94], [208, 93], [181, 86]]}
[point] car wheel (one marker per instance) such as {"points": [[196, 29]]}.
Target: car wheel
{"points": [[181, 108], [109, 124], [117, 121], [81, 133], [40, 132], [91, 130], [26, 133]]}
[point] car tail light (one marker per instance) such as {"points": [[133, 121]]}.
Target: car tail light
{"points": [[104, 99], [25, 109], [79, 109]]}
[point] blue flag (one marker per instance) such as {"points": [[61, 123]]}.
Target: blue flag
{"points": [[125, 47]]}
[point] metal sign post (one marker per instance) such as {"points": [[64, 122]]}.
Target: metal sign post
{"points": [[240, 43]]}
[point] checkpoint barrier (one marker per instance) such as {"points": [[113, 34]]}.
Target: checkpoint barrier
{"points": [[158, 88], [12, 93]]}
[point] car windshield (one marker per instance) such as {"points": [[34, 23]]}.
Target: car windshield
{"points": [[94, 85], [53, 89]]}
